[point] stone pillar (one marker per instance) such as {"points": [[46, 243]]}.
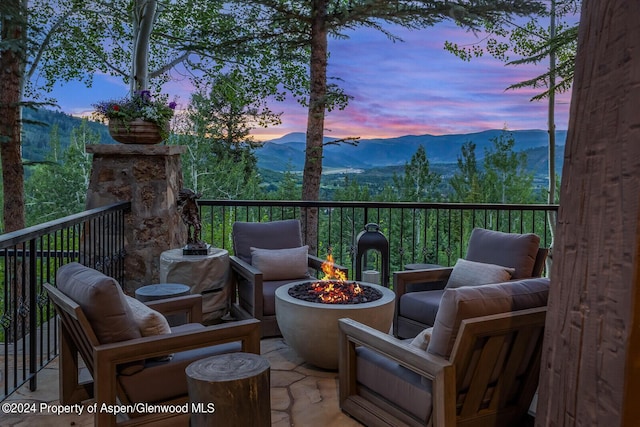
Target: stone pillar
{"points": [[150, 176]]}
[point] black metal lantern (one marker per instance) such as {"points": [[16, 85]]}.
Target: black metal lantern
{"points": [[372, 239]]}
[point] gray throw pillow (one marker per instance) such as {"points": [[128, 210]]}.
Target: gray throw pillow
{"points": [[281, 264]]}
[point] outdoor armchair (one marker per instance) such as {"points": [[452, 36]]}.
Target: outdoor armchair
{"points": [[492, 257], [478, 367], [266, 256], [128, 348]]}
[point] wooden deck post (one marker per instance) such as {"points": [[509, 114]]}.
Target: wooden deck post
{"points": [[591, 360]]}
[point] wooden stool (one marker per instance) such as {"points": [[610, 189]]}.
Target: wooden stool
{"points": [[238, 386]]}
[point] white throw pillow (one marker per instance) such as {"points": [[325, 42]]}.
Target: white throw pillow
{"points": [[281, 264], [149, 321], [471, 273], [422, 339]]}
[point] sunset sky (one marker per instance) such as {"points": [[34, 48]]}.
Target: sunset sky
{"points": [[405, 88]]}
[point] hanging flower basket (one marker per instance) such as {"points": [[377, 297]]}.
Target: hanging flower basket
{"points": [[137, 131]]}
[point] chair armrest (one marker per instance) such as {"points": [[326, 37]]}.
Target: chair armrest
{"points": [[244, 269], [425, 364], [440, 371], [247, 331], [436, 277], [189, 304], [316, 263]]}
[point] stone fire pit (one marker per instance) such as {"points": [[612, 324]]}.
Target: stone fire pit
{"points": [[311, 328]]}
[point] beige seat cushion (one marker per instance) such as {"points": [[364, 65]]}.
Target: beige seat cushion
{"points": [[468, 302], [162, 380]]}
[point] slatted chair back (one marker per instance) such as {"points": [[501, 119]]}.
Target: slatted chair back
{"points": [[497, 363]]}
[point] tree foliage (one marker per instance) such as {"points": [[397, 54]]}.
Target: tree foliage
{"points": [[143, 42], [530, 42], [419, 183], [219, 162], [186, 40], [466, 182], [226, 112], [58, 186], [503, 178]]}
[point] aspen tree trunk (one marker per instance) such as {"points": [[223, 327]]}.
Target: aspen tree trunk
{"points": [[552, 218], [145, 15], [591, 361]]}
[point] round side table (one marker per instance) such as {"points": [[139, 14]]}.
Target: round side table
{"points": [[163, 291]]}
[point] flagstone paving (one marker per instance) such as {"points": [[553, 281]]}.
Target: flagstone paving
{"points": [[301, 395]]}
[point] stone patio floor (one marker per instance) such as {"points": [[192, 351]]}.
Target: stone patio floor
{"points": [[301, 394]]}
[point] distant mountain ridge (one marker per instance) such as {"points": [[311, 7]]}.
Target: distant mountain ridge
{"points": [[287, 152]]}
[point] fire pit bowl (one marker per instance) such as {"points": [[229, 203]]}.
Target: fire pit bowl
{"points": [[311, 328]]}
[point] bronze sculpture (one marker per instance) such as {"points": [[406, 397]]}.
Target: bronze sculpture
{"points": [[188, 207]]}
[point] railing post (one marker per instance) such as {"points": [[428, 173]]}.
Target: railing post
{"points": [[33, 316]]}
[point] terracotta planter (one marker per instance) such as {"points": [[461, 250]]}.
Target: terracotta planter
{"points": [[137, 131]]}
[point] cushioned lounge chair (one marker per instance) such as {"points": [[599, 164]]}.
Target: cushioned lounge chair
{"points": [[128, 348], [418, 292], [479, 365], [266, 256]]}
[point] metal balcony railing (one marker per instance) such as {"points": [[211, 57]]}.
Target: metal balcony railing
{"points": [[431, 233], [434, 233], [30, 257]]}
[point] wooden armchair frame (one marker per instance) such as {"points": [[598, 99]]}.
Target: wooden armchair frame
{"points": [[484, 401], [78, 337]]}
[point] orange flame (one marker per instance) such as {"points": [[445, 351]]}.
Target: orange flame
{"points": [[330, 272], [333, 287]]}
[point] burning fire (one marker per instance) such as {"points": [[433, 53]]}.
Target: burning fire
{"points": [[333, 287], [331, 272]]}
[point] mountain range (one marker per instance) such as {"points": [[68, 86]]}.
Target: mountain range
{"points": [[287, 152]]}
